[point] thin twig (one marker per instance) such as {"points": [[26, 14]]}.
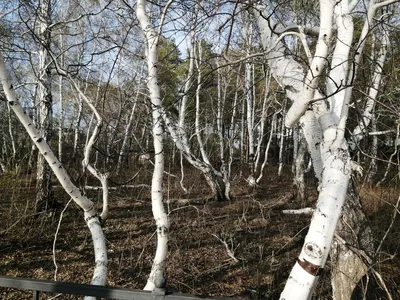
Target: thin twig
{"points": [[230, 251], [382, 283], [55, 239], [144, 248], [390, 226], [301, 211]]}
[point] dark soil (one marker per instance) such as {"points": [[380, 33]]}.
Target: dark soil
{"points": [[264, 241]]}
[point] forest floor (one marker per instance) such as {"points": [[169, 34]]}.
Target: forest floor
{"points": [[264, 241]]}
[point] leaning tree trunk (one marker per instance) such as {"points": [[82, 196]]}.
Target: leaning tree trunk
{"points": [[334, 150], [352, 254], [12, 140], [90, 213], [216, 180]]}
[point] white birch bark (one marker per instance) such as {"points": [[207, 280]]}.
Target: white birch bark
{"points": [[248, 91], [221, 97], [360, 130], [300, 169], [295, 147], [368, 25], [242, 134], [189, 79], [281, 141], [313, 135], [336, 165], [333, 188], [182, 174], [264, 113], [232, 127], [10, 132], [102, 177], [90, 213], [271, 135], [78, 118], [44, 195], [61, 124], [316, 68], [198, 58], [157, 271], [347, 266], [62, 114], [335, 160], [128, 127], [374, 152], [213, 177], [289, 75], [188, 84], [336, 82], [77, 124], [335, 179]]}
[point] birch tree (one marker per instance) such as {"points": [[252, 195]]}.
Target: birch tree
{"points": [[367, 115], [90, 212], [44, 101], [248, 91], [215, 178], [332, 160], [152, 35]]}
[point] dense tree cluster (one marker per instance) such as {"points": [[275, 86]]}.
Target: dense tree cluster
{"points": [[224, 87]]}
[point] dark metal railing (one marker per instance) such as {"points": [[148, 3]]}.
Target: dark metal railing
{"points": [[106, 292]]}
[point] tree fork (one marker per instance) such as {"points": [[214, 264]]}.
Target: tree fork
{"points": [[90, 213]]}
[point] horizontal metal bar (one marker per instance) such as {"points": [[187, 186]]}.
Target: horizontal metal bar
{"points": [[90, 290]]}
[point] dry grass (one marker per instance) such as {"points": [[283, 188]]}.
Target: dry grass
{"points": [[264, 241]]}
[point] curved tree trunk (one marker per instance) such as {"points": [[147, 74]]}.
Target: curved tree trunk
{"points": [[335, 157], [90, 213], [156, 277]]}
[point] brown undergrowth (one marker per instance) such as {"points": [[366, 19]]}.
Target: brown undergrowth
{"points": [[263, 243]]}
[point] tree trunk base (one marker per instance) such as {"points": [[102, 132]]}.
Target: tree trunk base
{"points": [[352, 249], [218, 186], [347, 270]]}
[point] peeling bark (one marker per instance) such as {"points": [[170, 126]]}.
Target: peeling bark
{"points": [[352, 249], [327, 147], [300, 170]]}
